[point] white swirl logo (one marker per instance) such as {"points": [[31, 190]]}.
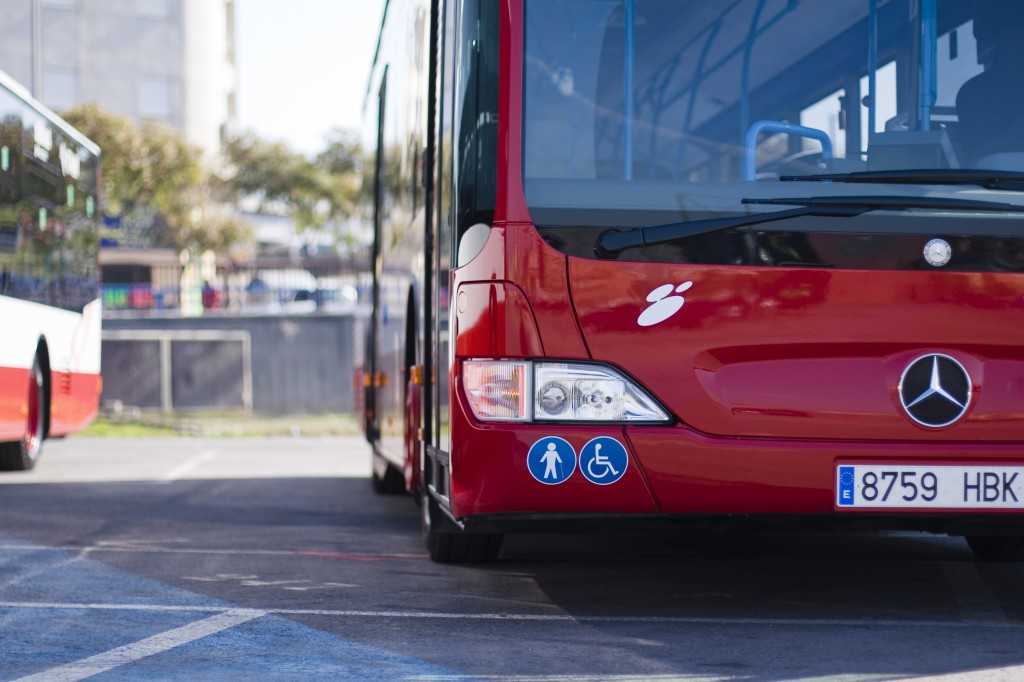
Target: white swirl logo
{"points": [[663, 306]]}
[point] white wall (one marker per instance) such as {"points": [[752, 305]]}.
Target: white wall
{"points": [[209, 75]]}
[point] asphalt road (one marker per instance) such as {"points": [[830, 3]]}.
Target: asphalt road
{"points": [[271, 559]]}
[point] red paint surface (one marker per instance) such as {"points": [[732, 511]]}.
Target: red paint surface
{"points": [[494, 320], [809, 353], [74, 403], [411, 436], [490, 476], [74, 400], [693, 473], [14, 385]]}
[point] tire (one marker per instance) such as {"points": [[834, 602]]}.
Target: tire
{"points": [[392, 482], [996, 547], [23, 454], [447, 544]]}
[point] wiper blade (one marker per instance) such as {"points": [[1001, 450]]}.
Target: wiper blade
{"points": [[891, 203], [1011, 181], [614, 241]]}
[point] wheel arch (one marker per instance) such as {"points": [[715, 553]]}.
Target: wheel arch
{"points": [[43, 354]]}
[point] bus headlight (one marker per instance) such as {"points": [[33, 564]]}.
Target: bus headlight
{"points": [[595, 393], [521, 391]]}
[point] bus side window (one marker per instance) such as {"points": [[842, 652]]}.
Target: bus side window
{"points": [[476, 114]]}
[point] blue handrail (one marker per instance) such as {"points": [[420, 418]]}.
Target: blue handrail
{"points": [[872, 69], [927, 70], [630, 29], [758, 127], [748, 53]]}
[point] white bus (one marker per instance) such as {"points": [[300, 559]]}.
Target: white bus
{"points": [[50, 309]]}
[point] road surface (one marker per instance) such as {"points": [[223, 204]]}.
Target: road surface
{"points": [[272, 559]]}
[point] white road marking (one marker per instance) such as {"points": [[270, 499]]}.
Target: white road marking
{"points": [[583, 677], [300, 585], [113, 547], [108, 660], [188, 465], [537, 617], [1008, 674], [41, 568]]}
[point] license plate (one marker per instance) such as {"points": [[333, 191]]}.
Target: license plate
{"points": [[900, 486]]}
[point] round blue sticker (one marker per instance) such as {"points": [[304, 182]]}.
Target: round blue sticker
{"points": [[603, 460], [551, 460]]}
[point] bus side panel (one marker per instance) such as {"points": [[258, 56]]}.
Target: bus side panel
{"points": [[76, 386], [402, 62], [13, 402], [73, 344]]}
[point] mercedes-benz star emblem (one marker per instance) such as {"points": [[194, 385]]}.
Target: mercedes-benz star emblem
{"points": [[935, 390], [938, 252]]}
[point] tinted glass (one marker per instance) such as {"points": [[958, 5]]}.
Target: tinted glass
{"points": [[656, 104], [476, 113], [48, 210]]}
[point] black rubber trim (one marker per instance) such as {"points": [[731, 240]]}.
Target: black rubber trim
{"points": [[951, 524]]}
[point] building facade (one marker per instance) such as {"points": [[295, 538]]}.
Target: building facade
{"points": [[171, 61]]}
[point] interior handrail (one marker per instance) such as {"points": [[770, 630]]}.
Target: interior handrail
{"points": [[759, 127]]}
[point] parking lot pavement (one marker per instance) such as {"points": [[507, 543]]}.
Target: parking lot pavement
{"points": [[271, 559]]}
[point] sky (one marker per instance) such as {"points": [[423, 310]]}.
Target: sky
{"points": [[303, 65]]}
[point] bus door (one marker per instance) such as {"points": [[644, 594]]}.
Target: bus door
{"points": [[372, 379]]}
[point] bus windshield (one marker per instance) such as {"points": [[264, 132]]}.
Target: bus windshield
{"points": [[680, 106]]}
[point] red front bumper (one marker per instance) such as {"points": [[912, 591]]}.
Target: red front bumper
{"points": [[674, 470]]}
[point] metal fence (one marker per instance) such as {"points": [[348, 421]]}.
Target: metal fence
{"points": [[270, 364], [178, 369]]}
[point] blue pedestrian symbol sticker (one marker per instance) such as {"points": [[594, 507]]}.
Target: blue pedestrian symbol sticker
{"points": [[603, 460], [551, 460]]}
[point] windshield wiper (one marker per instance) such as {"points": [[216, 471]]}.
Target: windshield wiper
{"points": [[1011, 181], [614, 241]]}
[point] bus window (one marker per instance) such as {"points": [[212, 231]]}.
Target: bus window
{"points": [[827, 114], [622, 96], [957, 62], [477, 113], [885, 102], [445, 234]]}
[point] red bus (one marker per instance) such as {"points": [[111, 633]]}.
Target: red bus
{"points": [[654, 261], [49, 290]]}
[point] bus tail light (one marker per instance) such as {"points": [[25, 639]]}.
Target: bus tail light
{"points": [[521, 391], [498, 390]]}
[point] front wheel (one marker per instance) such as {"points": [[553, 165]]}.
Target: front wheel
{"points": [[448, 544], [996, 547], [23, 454]]}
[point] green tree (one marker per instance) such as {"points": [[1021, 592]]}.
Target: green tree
{"points": [[342, 153], [319, 193], [151, 168]]}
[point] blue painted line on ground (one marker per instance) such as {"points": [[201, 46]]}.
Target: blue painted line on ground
{"points": [[272, 648], [34, 640], [62, 576]]}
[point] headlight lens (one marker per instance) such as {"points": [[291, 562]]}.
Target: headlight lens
{"points": [[520, 391], [594, 393]]}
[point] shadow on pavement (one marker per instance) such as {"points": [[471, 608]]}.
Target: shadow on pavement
{"points": [[762, 605]]}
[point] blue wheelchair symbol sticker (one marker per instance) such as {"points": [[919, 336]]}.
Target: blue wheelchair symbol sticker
{"points": [[603, 460], [551, 460]]}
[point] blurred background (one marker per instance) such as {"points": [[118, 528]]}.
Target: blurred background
{"points": [[233, 255]]}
